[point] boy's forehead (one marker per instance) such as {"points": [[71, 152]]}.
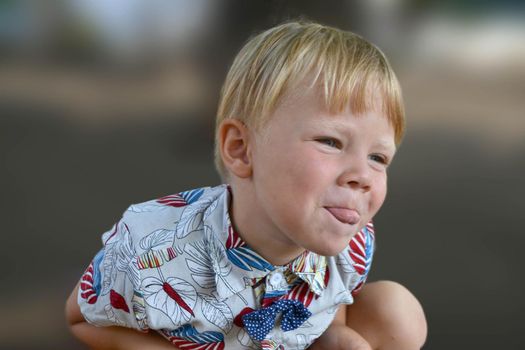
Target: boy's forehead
{"points": [[311, 92], [305, 90], [308, 97]]}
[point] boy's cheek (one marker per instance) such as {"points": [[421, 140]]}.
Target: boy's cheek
{"points": [[376, 204]]}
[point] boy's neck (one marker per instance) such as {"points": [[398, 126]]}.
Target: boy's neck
{"points": [[264, 240]]}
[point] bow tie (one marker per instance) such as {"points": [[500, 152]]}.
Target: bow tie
{"points": [[260, 322]]}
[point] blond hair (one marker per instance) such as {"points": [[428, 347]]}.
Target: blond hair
{"points": [[346, 66]]}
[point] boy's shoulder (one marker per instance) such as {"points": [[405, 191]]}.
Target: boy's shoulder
{"points": [[159, 222]]}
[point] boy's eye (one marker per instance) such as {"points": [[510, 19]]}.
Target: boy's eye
{"points": [[379, 159], [330, 142]]}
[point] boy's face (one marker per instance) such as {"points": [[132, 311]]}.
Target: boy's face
{"points": [[318, 177]]}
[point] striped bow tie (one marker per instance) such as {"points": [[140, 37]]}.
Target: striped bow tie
{"points": [[260, 322]]}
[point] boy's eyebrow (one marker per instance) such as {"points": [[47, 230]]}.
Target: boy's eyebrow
{"points": [[384, 143], [387, 145]]}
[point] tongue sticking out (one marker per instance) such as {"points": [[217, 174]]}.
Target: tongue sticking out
{"points": [[346, 216]]}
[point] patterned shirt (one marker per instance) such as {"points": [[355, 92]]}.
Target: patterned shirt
{"points": [[177, 266]]}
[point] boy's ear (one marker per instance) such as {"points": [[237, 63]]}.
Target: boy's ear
{"points": [[234, 146]]}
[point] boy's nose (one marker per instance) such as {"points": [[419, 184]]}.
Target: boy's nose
{"points": [[356, 176]]}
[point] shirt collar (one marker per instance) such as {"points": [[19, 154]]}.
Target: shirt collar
{"points": [[236, 265]]}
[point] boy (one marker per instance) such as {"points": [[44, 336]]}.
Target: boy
{"points": [[309, 120]]}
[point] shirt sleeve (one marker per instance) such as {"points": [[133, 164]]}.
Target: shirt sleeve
{"points": [[109, 288]]}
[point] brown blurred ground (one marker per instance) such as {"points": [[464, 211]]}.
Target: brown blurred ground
{"points": [[78, 145]]}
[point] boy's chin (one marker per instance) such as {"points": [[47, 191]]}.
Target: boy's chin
{"points": [[330, 249]]}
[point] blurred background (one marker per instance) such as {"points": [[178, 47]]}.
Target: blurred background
{"points": [[107, 103]]}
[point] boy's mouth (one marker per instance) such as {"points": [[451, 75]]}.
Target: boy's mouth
{"points": [[345, 215]]}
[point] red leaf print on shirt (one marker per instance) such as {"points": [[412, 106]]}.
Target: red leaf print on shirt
{"points": [[361, 251], [238, 319], [86, 285], [175, 296], [303, 293], [181, 199], [173, 200], [118, 301]]}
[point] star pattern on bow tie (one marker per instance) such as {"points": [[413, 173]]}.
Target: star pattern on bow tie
{"points": [[260, 322]]}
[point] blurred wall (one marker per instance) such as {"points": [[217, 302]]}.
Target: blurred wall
{"points": [[103, 104]]}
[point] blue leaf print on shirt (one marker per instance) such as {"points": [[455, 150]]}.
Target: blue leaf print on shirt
{"points": [[242, 256], [187, 337], [192, 195]]}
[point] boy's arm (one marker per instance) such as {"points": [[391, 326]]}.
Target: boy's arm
{"points": [[339, 336], [110, 338]]}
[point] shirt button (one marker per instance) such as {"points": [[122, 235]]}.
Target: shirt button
{"points": [[276, 279]]}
